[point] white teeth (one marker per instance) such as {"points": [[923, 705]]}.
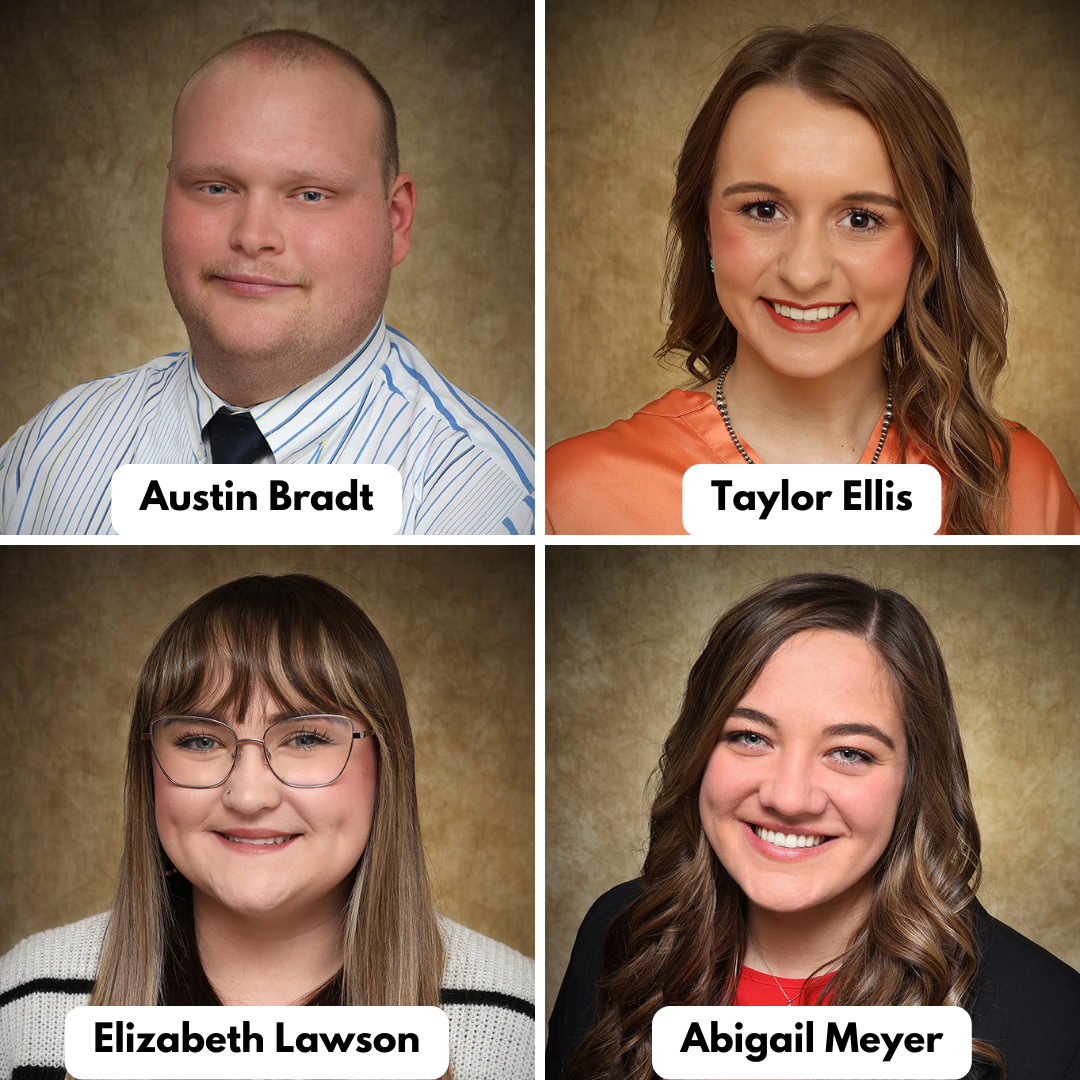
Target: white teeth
{"points": [[787, 840], [809, 315], [267, 840]]}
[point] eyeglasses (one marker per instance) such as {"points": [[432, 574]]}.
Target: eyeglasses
{"points": [[302, 751]]}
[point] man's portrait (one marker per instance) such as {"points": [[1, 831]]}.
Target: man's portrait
{"points": [[294, 190]]}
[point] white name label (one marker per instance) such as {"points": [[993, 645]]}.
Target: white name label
{"points": [[811, 503], [242, 1043], [260, 503], [871, 1042]]}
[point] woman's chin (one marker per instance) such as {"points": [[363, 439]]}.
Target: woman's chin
{"points": [[246, 902]]}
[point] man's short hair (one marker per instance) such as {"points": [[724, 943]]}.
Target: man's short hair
{"points": [[297, 47]]}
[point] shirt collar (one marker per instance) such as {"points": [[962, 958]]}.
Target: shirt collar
{"points": [[299, 425]]}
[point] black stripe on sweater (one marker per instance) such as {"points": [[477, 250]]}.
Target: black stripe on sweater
{"points": [[46, 986], [38, 1072], [488, 997], [491, 998]]}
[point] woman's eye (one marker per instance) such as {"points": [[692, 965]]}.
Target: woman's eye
{"points": [[198, 742], [747, 738], [762, 211], [862, 220], [850, 756]]}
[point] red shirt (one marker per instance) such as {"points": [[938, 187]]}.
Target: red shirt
{"points": [[757, 988]]}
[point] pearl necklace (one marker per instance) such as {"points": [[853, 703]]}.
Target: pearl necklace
{"points": [[721, 404]]}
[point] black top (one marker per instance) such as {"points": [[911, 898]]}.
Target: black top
{"points": [[1027, 1001]]}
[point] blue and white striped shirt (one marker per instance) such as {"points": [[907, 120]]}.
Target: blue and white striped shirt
{"points": [[463, 468]]}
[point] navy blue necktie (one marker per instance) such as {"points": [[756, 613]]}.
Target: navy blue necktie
{"points": [[235, 439]]}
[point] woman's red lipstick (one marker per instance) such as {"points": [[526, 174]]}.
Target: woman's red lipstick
{"points": [[796, 327]]}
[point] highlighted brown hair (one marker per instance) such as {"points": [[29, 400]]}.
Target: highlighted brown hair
{"points": [[948, 347], [682, 940], [309, 648]]}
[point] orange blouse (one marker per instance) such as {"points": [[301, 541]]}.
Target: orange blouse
{"points": [[627, 478]]}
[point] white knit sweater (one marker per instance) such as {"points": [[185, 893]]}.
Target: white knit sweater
{"points": [[488, 994]]}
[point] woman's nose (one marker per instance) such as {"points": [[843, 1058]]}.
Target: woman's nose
{"points": [[792, 788], [251, 786], [806, 262]]}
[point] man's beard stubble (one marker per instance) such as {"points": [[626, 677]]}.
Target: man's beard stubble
{"points": [[302, 349]]}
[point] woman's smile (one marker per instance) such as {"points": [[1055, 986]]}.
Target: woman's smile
{"points": [[815, 319], [777, 844], [256, 840]]}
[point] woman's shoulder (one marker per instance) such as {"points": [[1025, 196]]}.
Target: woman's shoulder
{"points": [[65, 953], [1041, 499], [41, 979], [482, 964], [572, 1014], [1026, 1002], [627, 477], [1013, 963], [488, 993], [624, 436]]}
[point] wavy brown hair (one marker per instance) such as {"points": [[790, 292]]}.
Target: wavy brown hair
{"points": [[683, 938], [948, 347], [310, 648]]}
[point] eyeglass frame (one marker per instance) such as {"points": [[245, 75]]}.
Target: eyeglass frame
{"points": [[148, 736]]}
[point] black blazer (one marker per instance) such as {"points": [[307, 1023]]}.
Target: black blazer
{"points": [[1027, 1001]]}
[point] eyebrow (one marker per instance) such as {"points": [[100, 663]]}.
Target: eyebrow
{"points": [[832, 731], [298, 176], [747, 187]]}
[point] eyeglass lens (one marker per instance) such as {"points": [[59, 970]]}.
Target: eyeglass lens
{"points": [[305, 751]]}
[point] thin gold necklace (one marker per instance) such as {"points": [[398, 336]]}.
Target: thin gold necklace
{"points": [[790, 1001]]}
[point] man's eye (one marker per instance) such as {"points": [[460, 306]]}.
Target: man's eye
{"points": [[312, 196], [214, 189]]}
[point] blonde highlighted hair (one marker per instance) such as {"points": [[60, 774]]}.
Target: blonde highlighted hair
{"points": [[309, 648]]}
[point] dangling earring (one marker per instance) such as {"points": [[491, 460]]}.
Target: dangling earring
{"points": [[712, 267]]}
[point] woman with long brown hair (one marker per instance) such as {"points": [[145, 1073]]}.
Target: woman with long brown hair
{"points": [[290, 871], [832, 298], [812, 841]]}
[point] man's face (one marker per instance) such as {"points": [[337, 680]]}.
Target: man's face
{"points": [[278, 233]]}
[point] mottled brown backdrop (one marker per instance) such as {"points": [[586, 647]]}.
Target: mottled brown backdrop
{"points": [[86, 92], [79, 621], [624, 79], [625, 624]]}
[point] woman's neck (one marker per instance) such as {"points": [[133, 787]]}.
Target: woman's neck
{"points": [[793, 945], [788, 420], [279, 959]]}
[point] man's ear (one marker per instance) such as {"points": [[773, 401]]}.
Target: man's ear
{"points": [[401, 202]]}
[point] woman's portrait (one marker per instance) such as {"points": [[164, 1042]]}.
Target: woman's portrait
{"points": [[271, 849], [814, 832], [829, 293]]}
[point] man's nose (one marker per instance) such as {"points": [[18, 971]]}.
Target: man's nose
{"points": [[806, 261], [256, 229], [252, 785]]}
